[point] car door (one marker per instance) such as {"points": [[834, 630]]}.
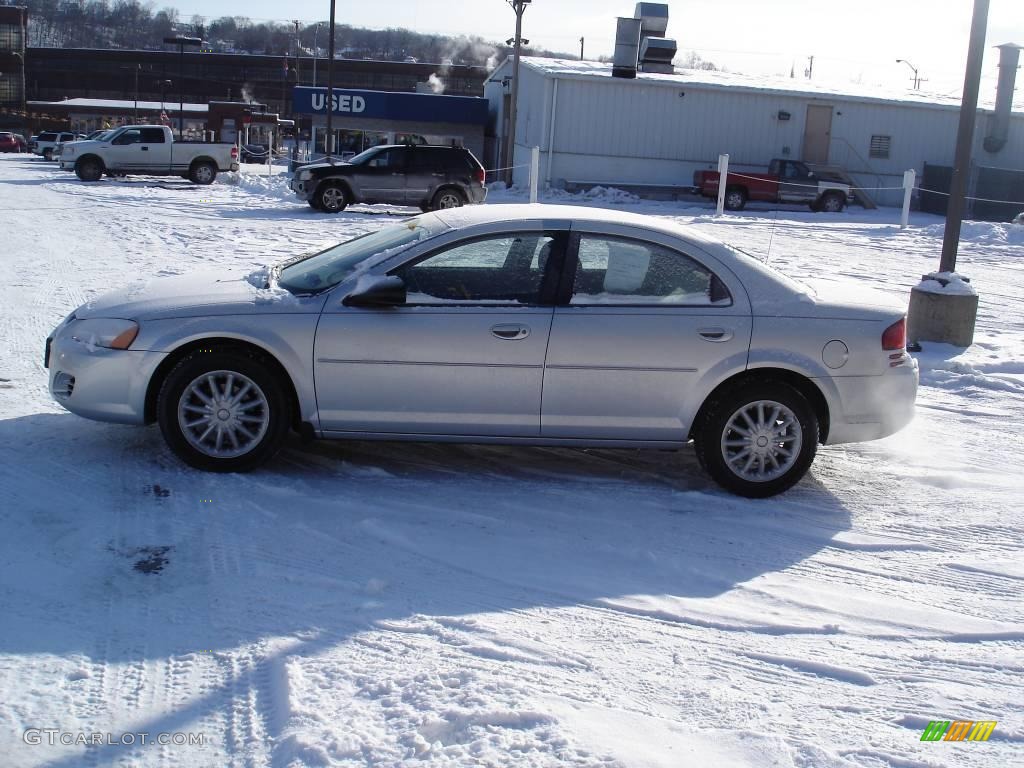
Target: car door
{"points": [[796, 184], [640, 328], [463, 356], [154, 150], [381, 178], [425, 173], [125, 153]]}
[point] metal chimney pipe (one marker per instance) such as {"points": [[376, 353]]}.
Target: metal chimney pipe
{"points": [[999, 121]]}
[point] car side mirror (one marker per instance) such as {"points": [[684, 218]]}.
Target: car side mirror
{"points": [[377, 291]]}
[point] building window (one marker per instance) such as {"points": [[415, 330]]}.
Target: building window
{"points": [[10, 89], [880, 146], [10, 37]]}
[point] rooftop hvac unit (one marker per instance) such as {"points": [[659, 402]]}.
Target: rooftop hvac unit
{"points": [[656, 54], [653, 19], [627, 47]]}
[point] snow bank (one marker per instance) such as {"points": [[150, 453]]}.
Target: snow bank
{"points": [[982, 233]]}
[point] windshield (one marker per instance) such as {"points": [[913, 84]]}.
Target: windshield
{"points": [[323, 270]]}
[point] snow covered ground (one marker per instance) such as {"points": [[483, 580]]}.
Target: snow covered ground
{"points": [[376, 604]]}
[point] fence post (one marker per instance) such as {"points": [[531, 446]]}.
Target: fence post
{"points": [[270, 154], [723, 175], [909, 180], [534, 172]]}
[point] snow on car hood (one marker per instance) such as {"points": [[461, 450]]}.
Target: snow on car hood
{"points": [[194, 294]]}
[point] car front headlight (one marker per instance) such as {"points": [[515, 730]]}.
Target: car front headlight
{"points": [[102, 332], [305, 175]]}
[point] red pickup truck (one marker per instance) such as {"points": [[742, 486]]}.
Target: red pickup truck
{"points": [[787, 181]]}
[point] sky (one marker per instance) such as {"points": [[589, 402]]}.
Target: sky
{"points": [[858, 41]]}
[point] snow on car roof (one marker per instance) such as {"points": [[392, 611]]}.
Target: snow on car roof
{"points": [[470, 215]]}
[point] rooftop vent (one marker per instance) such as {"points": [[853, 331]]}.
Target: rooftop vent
{"points": [[627, 47], [640, 42], [999, 121], [653, 18], [656, 54]]}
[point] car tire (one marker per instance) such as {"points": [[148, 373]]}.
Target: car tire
{"points": [[832, 202], [735, 198], [202, 173], [774, 454], [89, 169], [448, 197], [47, 154], [331, 198], [205, 428]]}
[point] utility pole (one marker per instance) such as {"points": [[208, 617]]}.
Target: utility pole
{"points": [[329, 139], [810, 68], [135, 112], [298, 52], [917, 77], [316, 50], [181, 41], [964, 138], [581, 49], [940, 315], [519, 6]]}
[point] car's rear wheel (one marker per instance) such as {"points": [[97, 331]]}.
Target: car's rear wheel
{"points": [[202, 173], [735, 199], [48, 154], [89, 169], [223, 411], [448, 198], [757, 439], [331, 198]]}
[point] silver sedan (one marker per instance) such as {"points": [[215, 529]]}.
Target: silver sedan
{"points": [[533, 325]]}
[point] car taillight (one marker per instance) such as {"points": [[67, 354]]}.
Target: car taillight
{"points": [[481, 174], [234, 153], [895, 336]]}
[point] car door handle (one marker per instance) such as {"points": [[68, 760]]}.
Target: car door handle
{"points": [[145, 149], [715, 334], [510, 332]]}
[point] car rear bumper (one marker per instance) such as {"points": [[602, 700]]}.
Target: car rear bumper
{"points": [[872, 407], [99, 383]]}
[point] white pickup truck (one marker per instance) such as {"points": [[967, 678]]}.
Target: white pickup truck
{"points": [[149, 150]]}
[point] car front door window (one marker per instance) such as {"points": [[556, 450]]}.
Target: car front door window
{"points": [[508, 269]]}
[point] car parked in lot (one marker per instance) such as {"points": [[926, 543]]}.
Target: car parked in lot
{"points": [[787, 181], [47, 141], [516, 324], [9, 142], [430, 177], [149, 150], [254, 153]]}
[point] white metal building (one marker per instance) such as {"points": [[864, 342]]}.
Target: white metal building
{"points": [[658, 129]]}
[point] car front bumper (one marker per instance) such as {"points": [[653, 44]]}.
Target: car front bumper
{"points": [[872, 407], [302, 189], [99, 383]]}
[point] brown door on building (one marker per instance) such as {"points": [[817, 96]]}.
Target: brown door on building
{"points": [[817, 133]]}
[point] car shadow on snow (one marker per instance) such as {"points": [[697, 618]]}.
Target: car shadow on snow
{"points": [[115, 552]]}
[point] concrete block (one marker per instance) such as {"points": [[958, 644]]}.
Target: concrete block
{"points": [[942, 317]]}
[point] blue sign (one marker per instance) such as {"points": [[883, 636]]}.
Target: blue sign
{"points": [[384, 105]]}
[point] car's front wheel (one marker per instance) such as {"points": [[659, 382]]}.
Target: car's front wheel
{"points": [[331, 198], [223, 410], [89, 169], [757, 439]]}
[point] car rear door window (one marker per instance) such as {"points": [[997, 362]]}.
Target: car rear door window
{"points": [[504, 269], [615, 270], [152, 136], [425, 161]]}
